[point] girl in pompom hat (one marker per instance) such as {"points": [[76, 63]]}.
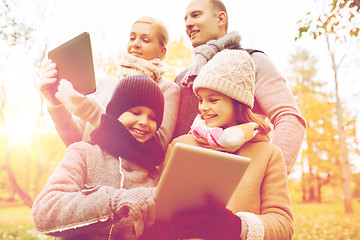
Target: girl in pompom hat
{"points": [[260, 207], [103, 189]]}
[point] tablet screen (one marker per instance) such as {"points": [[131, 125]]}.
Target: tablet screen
{"points": [[74, 63], [191, 174]]}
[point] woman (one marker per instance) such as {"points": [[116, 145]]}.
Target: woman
{"points": [[145, 50], [260, 207], [103, 189]]}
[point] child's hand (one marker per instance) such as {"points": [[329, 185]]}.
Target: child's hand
{"points": [[48, 83], [84, 107], [69, 96], [136, 206]]}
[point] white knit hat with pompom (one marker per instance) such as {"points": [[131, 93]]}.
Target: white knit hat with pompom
{"points": [[230, 72]]}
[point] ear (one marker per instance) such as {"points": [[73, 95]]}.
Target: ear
{"points": [[163, 52], [222, 18]]}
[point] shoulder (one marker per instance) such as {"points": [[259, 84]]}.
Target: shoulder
{"points": [[180, 76], [261, 148], [168, 86], [84, 149], [186, 138], [82, 145], [263, 155]]}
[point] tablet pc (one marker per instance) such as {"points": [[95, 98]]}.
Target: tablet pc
{"points": [[74, 63], [191, 174]]}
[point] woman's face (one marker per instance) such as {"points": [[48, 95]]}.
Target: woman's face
{"points": [[144, 43], [217, 109], [140, 121]]}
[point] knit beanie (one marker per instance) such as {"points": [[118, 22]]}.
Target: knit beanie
{"points": [[133, 91], [230, 72]]}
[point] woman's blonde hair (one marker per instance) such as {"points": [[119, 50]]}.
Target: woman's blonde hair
{"points": [[160, 28], [244, 115]]}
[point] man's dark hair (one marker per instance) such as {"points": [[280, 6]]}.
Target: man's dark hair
{"points": [[219, 6]]}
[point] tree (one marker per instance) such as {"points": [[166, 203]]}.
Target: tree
{"points": [[337, 23], [12, 30], [320, 156], [340, 17], [179, 58]]}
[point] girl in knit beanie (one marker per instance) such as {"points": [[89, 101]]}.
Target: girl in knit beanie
{"points": [[103, 189], [260, 206], [235, 79]]}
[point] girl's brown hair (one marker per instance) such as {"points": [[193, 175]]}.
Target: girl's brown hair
{"points": [[244, 115]]}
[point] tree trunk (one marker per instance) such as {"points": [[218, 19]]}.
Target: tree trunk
{"points": [[342, 138], [303, 181], [23, 195], [318, 178]]}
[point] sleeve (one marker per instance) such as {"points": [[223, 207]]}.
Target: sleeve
{"points": [[65, 203], [171, 107], [66, 206], [275, 220], [167, 155], [89, 110], [275, 100], [69, 129]]}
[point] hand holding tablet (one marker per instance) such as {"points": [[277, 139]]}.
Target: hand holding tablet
{"points": [[74, 63]]}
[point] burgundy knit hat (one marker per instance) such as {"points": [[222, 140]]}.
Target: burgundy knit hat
{"points": [[133, 91]]}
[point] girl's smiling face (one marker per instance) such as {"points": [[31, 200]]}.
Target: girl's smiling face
{"points": [[140, 121], [217, 109]]}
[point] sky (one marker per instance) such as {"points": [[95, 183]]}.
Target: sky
{"points": [[270, 26]]}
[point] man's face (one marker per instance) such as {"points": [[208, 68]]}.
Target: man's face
{"points": [[202, 23]]}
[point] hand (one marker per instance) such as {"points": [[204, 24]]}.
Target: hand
{"points": [[213, 222], [136, 206], [68, 95], [85, 107], [48, 82]]}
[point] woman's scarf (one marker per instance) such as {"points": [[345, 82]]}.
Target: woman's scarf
{"points": [[113, 137], [205, 52], [131, 65]]}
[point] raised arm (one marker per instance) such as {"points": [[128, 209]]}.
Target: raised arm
{"points": [[171, 93], [274, 99]]}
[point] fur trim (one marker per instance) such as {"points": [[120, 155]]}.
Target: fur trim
{"points": [[254, 227]]}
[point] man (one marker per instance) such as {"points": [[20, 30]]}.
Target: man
{"points": [[206, 25]]}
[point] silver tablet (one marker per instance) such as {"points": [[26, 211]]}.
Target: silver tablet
{"points": [[191, 174]]}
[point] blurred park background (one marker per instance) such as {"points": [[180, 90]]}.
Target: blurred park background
{"points": [[314, 43]]}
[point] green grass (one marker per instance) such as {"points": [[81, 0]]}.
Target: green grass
{"points": [[313, 221], [326, 221], [16, 223]]}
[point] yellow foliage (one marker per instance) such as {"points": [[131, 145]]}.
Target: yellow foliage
{"points": [[179, 57]]}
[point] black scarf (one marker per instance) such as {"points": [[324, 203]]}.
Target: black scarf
{"points": [[115, 139]]}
